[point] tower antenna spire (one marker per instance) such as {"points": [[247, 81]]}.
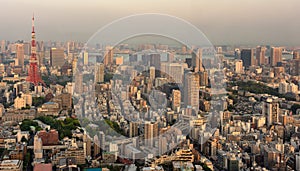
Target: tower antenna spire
{"points": [[32, 22]]}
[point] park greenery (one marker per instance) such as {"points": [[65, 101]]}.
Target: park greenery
{"points": [[28, 124], [64, 127], [260, 88], [38, 101]]}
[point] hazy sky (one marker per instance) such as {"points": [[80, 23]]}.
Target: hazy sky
{"points": [[222, 21]]}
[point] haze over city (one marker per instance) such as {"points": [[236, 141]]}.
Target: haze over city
{"points": [[224, 22], [160, 85]]}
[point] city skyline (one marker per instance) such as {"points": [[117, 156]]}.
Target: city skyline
{"points": [[188, 85]]}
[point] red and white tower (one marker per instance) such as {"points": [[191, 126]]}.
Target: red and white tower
{"points": [[33, 73]]}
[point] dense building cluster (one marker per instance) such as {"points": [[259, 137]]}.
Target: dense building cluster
{"points": [[148, 107]]}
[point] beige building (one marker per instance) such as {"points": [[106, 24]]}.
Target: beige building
{"points": [[151, 132], [239, 67], [108, 58], [85, 58], [176, 100], [191, 90], [38, 147], [276, 55], [99, 73], [19, 103], [11, 165], [260, 55], [197, 61], [270, 109], [49, 108], [20, 55], [19, 115], [57, 57], [119, 60]]}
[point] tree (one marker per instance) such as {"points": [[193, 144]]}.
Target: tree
{"points": [[23, 139], [294, 108]]}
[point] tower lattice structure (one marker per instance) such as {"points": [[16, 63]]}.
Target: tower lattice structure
{"points": [[33, 72]]}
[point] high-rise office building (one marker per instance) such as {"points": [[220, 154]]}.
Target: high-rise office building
{"points": [[203, 80], [176, 99], [162, 145], [247, 57], [197, 61], [152, 73], [295, 67], [275, 56], [260, 55], [96, 146], [133, 129], [78, 83], [296, 55], [108, 57], [155, 61], [41, 56], [151, 132], [71, 47], [20, 54], [85, 58], [57, 57], [191, 90], [99, 73], [271, 110], [27, 48], [102, 140], [3, 46], [174, 71], [239, 67]]}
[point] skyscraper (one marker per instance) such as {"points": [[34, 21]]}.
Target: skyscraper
{"points": [[175, 71], [155, 61], [102, 140], [152, 73], [85, 58], [176, 99], [133, 129], [78, 82], [271, 110], [57, 57], [27, 48], [20, 54], [260, 55], [203, 78], [71, 47], [295, 67], [239, 66], [191, 90], [108, 57], [3, 46], [197, 61], [276, 55], [247, 57], [99, 73], [151, 132]]}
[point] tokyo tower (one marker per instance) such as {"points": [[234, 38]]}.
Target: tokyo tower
{"points": [[33, 73]]}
